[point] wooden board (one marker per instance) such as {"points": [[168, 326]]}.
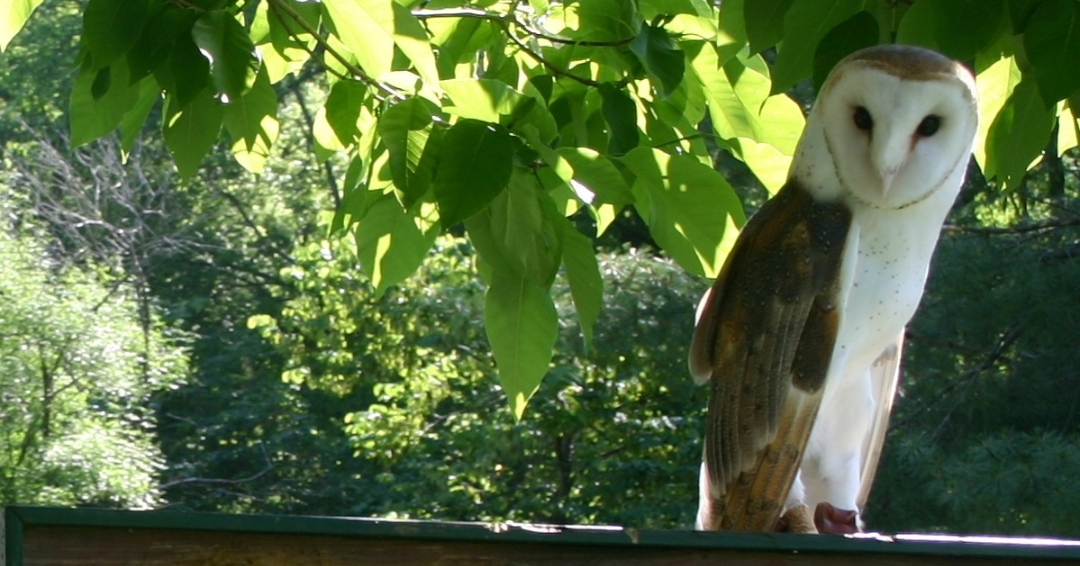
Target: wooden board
{"points": [[54, 537]]}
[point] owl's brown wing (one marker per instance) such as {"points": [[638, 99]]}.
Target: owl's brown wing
{"points": [[765, 338], [884, 378]]}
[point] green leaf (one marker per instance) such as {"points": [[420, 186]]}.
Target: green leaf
{"points": [[851, 35], [917, 26], [186, 73], [521, 231], [521, 325], [995, 82], [132, 122], [96, 114], [731, 38], [691, 211], [1068, 130], [459, 41], [343, 108], [474, 168], [962, 28], [806, 23], [166, 23], [282, 43], [111, 28], [583, 275], [1052, 43], [100, 85], [764, 22], [192, 130], [355, 200], [480, 99], [1020, 12], [371, 29], [658, 53], [620, 114], [392, 243], [740, 103], [598, 179], [494, 101], [325, 138], [405, 129], [230, 50], [13, 15], [253, 125], [605, 20], [1018, 135]]}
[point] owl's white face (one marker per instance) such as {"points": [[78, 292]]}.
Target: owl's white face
{"points": [[894, 135]]}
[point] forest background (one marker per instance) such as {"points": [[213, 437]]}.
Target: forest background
{"points": [[290, 317]]}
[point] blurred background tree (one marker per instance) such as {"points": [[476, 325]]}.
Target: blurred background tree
{"points": [[207, 342]]}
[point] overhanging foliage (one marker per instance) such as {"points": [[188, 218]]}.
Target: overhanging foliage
{"points": [[509, 117]]}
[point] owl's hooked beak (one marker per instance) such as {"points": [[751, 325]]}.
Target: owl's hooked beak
{"points": [[888, 155]]}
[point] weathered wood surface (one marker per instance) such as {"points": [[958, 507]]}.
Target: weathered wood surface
{"points": [[66, 537]]}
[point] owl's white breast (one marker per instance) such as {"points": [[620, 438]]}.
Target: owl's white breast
{"points": [[884, 273]]}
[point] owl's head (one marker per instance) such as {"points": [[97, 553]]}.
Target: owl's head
{"points": [[896, 123]]}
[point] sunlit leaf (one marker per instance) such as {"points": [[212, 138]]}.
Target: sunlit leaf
{"points": [[481, 99], [741, 108], [597, 175], [522, 325], [1068, 131], [1018, 135], [253, 124], [691, 211], [13, 14], [405, 129], [372, 28], [604, 20], [995, 81], [392, 243]]}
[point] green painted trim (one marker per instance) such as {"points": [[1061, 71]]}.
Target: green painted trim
{"points": [[11, 529], [911, 545]]}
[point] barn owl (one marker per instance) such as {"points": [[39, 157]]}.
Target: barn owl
{"points": [[800, 336]]}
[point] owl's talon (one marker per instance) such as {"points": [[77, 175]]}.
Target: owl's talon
{"points": [[830, 520]]}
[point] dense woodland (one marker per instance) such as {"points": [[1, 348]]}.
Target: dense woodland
{"points": [[206, 343]]}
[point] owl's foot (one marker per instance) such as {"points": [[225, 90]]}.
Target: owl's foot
{"points": [[796, 520], [831, 520]]}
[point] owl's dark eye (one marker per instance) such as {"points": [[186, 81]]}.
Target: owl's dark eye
{"points": [[929, 126], [863, 120]]}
